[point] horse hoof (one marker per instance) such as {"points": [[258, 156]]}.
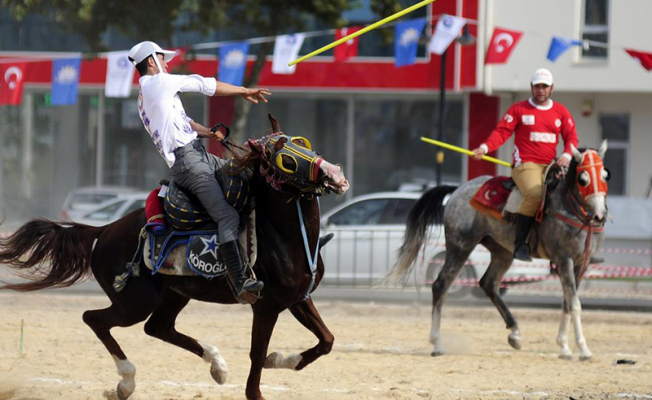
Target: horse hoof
{"points": [[586, 358], [123, 394], [219, 375], [566, 357], [514, 342], [273, 360], [437, 353]]}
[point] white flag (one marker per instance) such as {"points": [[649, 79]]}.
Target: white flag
{"points": [[286, 49], [448, 29], [119, 74]]}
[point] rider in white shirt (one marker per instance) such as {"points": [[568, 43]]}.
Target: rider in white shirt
{"points": [[176, 137]]}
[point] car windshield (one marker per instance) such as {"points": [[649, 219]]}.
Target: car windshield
{"points": [[106, 213], [136, 205], [367, 212], [81, 200]]}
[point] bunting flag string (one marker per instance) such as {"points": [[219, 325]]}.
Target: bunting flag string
{"points": [[233, 56], [558, 46]]}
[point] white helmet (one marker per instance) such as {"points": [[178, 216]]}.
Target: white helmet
{"points": [[145, 49]]}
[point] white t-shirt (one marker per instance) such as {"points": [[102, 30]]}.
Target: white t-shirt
{"points": [[162, 113]]}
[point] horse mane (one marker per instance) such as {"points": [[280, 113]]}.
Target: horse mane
{"points": [[242, 160]]}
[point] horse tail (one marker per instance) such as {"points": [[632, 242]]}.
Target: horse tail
{"points": [[49, 254], [428, 210]]}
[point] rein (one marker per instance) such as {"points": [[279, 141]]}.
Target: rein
{"points": [[583, 221], [312, 259]]}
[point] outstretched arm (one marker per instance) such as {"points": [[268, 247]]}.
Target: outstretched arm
{"points": [[252, 95]]}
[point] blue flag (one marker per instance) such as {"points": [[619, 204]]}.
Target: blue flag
{"points": [[65, 79], [233, 62], [558, 46], [407, 41]]}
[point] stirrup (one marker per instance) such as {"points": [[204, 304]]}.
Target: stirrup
{"points": [[247, 297], [522, 253]]}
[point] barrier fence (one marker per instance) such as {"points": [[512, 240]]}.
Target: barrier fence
{"points": [[360, 258]]}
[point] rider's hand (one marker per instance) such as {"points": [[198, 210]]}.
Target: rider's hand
{"points": [[217, 135], [478, 153], [255, 95], [563, 162]]}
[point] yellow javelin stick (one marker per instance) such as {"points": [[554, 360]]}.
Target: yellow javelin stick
{"points": [[362, 31], [465, 151]]}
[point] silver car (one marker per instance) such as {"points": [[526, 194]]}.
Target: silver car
{"points": [[113, 209], [368, 232]]}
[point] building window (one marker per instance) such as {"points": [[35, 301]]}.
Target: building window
{"points": [[595, 28], [615, 128]]}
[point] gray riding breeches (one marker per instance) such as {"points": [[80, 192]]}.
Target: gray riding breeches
{"points": [[194, 170]]}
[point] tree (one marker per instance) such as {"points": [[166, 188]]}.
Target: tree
{"points": [[158, 20]]}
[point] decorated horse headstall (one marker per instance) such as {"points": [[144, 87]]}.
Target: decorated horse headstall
{"points": [[290, 160], [591, 178]]}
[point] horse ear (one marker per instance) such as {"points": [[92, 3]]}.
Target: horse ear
{"points": [[276, 127], [576, 153], [280, 143], [603, 149], [255, 146]]}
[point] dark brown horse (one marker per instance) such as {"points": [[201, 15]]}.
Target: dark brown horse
{"points": [[54, 255]]}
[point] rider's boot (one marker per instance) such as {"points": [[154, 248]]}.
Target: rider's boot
{"points": [[245, 289], [521, 248], [323, 241]]}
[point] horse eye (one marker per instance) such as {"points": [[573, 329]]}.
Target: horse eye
{"points": [[584, 179], [287, 163], [605, 175], [301, 142]]}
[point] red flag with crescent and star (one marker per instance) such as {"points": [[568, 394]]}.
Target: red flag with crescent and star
{"points": [[11, 83], [349, 48], [501, 46]]}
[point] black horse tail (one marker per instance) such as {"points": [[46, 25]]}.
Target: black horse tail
{"points": [[427, 211], [48, 254]]}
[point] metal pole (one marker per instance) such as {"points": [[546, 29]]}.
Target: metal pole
{"points": [[99, 155], [442, 107]]}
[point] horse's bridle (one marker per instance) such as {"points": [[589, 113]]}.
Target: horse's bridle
{"points": [[303, 178]]}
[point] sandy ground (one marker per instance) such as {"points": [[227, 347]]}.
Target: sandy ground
{"points": [[381, 352]]}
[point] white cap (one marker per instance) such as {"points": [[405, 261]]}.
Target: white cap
{"points": [[542, 75], [145, 49]]}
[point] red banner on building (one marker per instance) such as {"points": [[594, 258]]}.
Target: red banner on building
{"points": [[349, 48], [501, 46], [11, 83]]}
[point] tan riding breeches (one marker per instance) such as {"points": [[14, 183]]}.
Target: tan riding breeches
{"points": [[529, 179]]}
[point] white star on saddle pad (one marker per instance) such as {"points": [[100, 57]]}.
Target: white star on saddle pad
{"points": [[210, 246]]}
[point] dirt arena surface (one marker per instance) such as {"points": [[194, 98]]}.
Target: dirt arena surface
{"points": [[380, 352]]}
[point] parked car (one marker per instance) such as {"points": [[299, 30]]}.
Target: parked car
{"points": [[82, 200], [113, 209], [369, 230]]}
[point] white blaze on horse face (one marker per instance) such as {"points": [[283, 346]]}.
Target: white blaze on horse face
{"points": [[334, 173]]}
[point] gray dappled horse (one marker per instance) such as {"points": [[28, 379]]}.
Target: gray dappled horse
{"points": [[570, 232]]}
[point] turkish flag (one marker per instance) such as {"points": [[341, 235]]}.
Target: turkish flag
{"points": [[502, 43], [644, 58], [349, 48], [11, 83]]}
